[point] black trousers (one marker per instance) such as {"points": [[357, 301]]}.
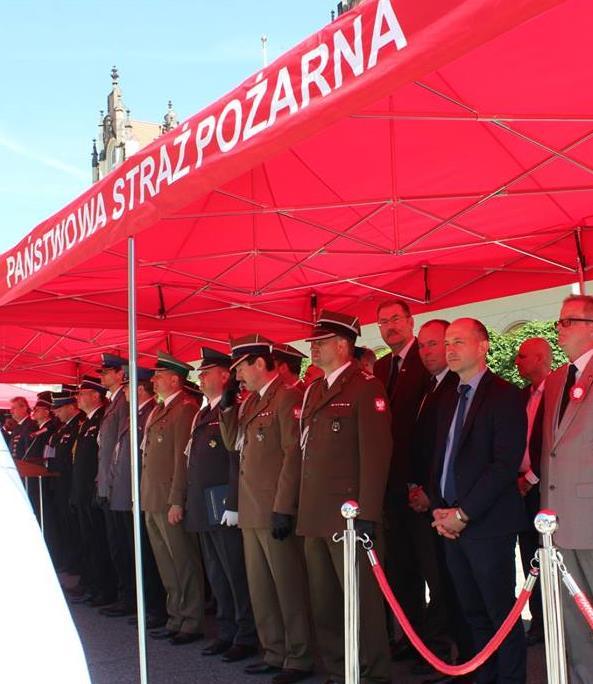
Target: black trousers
{"points": [[402, 571], [97, 572], [61, 524], [436, 621], [120, 536], [155, 596], [483, 573], [224, 562], [528, 543]]}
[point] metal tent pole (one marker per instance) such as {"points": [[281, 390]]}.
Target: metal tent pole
{"points": [[134, 452]]}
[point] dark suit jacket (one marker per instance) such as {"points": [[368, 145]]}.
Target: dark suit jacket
{"points": [[423, 460], [535, 439], [39, 439], [488, 460], [20, 438], [209, 464], [84, 460], [409, 389], [63, 441]]}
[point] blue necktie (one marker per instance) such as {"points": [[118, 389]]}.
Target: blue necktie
{"points": [[450, 489]]}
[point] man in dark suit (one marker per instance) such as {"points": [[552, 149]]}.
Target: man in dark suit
{"points": [[534, 362], [436, 627], [96, 571], [405, 380], [211, 511], [20, 437], [480, 442]]}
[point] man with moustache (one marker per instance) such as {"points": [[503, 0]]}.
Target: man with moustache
{"points": [[211, 512], [405, 380], [428, 558], [163, 491], [534, 362], [478, 510], [567, 468], [267, 425]]}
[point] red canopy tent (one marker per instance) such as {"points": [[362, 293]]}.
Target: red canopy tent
{"points": [[440, 152]]}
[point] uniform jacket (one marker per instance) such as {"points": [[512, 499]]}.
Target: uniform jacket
{"points": [[62, 441], [38, 441], [270, 460], [209, 464], [408, 391], [423, 459], [566, 485], [20, 438], [84, 460], [347, 449], [164, 474], [116, 414], [120, 481], [490, 451]]}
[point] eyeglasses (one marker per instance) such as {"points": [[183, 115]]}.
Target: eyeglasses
{"points": [[396, 318], [567, 322]]}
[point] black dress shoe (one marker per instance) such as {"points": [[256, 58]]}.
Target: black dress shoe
{"points": [[83, 598], [163, 633], [183, 638], [217, 647], [100, 601], [261, 668], [238, 652], [156, 621], [118, 610], [289, 675]]}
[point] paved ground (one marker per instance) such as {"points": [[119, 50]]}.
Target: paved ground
{"points": [[111, 647]]}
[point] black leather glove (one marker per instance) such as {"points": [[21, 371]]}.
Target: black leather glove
{"points": [[363, 527], [229, 396], [281, 525]]}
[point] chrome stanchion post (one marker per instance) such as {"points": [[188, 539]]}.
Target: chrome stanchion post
{"points": [[546, 523], [41, 506], [350, 511]]}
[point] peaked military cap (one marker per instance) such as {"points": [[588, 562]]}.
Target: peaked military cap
{"points": [[111, 362], [249, 345], [62, 398], [331, 323], [43, 400], [66, 387], [212, 358], [91, 383], [142, 374], [285, 352], [167, 362], [192, 389]]}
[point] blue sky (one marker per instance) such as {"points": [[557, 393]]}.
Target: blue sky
{"points": [[56, 57]]}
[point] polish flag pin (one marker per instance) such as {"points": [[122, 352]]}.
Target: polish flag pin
{"points": [[380, 405]]}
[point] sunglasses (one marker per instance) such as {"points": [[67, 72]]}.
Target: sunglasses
{"points": [[567, 322]]}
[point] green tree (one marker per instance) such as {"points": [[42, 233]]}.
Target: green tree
{"points": [[504, 346]]}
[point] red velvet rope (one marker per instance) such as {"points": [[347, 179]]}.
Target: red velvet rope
{"points": [[440, 665], [585, 607]]}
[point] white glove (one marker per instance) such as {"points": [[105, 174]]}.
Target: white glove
{"points": [[230, 518]]}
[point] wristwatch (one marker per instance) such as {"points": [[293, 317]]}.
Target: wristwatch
{"points": [[459, 517]]}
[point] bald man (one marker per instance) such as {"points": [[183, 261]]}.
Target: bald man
{"points": [[534, 362]]}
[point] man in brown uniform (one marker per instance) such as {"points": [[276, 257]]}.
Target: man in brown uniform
{"points": [[288, 361], [346, 440], [266, 432], [163, 490]]}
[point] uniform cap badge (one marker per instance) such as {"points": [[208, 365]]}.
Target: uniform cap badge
{"points": [[380, 405]]}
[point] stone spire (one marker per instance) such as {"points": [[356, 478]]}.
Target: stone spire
{"points": [[170, 119]]}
